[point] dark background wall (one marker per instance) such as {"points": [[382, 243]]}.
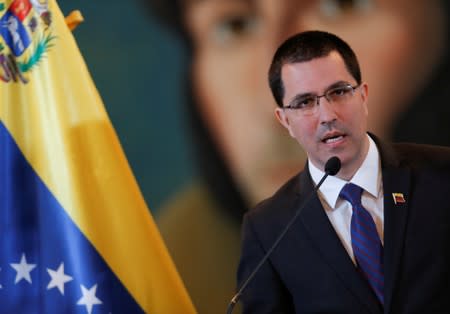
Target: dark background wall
{"points": [[137, 68]]}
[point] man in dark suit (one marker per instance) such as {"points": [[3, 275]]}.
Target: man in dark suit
{"points": [[374, 238]]}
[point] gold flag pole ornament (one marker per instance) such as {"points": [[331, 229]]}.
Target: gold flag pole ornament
{"points": [[74, 19]]}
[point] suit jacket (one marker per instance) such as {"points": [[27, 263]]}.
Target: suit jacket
{"points": [[311, 272]]}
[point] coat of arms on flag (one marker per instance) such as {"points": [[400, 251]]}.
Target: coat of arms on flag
{"points": [[25, 37]]}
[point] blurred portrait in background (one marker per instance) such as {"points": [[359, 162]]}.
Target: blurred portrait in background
{"points": [[242, 152]]}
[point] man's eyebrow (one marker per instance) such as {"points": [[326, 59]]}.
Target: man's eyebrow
{"points": [[299, 97], [337, 84]]}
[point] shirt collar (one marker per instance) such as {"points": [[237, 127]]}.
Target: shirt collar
{"points": [[368, 176]]}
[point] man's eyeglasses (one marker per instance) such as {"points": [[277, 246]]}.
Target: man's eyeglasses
{"points": [[308, 104]]}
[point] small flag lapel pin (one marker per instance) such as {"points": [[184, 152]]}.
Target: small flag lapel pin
{"points": [[398, 198]]}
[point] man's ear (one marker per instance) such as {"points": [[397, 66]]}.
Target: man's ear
{"points": [[283, 118], [365, 95]]}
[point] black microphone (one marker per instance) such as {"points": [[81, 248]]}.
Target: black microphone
{"points": [[332, 167]]}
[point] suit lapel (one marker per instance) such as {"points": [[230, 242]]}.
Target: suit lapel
{"points": [[325, 239], [395, 180]]}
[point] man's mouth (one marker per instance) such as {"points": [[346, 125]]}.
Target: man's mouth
{"points": [[332, 138]]}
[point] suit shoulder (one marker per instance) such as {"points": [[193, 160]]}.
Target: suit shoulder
{"points": [[282, 198]]}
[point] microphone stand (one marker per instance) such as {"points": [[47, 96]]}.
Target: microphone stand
{"points": [[332, 167]]}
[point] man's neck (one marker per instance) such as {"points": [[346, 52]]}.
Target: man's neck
{"points": [[348, 170]]}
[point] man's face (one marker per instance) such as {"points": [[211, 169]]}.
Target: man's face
{"points": [[234, 41], [333, 129]]}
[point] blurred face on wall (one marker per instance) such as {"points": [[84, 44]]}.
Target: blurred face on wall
{"points": [[397, 42]]}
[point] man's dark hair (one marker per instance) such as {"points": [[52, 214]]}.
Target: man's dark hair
{"points": [[304, 47]]}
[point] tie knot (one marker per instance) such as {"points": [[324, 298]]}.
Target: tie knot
{"points": [[352, 193]]}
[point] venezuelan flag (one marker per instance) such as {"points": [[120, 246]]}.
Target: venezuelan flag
{"points": [[76, 234]]}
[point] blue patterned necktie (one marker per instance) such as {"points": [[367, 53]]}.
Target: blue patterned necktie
{"points": [[366, 242]]}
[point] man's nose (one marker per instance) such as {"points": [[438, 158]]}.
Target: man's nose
{"points": [[327, 111]]}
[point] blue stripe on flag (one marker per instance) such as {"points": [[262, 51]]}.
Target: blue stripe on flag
{"points": [[47, 264]]}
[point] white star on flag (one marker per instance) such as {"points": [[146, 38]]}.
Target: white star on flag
{"points": [[1, 285], [89, 299], [23, 269], [58, 278]]}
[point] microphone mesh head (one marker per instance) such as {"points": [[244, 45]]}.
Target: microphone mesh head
{"points": [[332, 166]]}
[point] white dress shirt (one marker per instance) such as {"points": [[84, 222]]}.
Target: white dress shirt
{"points": [[339, 211]]}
